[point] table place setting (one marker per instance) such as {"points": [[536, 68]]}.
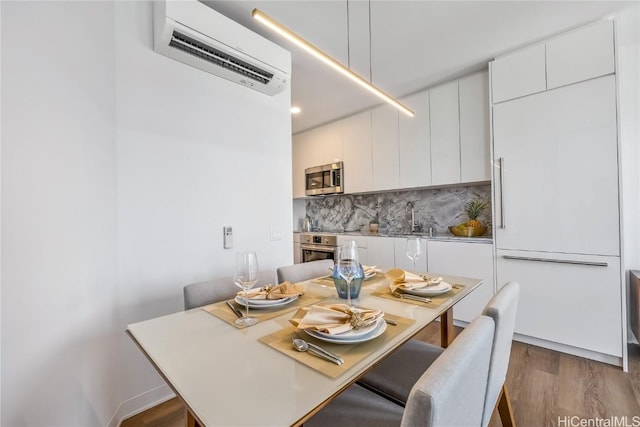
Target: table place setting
{"points": [[417, 289], [333, 338], [265, 303], [372, 276]]}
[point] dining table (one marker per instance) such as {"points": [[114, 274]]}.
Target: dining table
{"points": [[253, 376]]}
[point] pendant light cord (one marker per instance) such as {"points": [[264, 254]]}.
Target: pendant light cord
{"points": [[348, 39], [370, 69]]}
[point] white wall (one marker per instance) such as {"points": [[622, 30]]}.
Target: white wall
{"points": [[195, 153], [119, 169], [59, 281]]}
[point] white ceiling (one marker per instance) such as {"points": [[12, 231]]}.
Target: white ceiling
{"points": [[414, 44]]}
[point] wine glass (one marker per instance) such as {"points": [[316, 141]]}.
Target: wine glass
{"points": [[245, 277], [413, 250], [348, 265]]}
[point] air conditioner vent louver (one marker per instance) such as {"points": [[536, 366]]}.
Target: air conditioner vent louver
{"points": [[213, 55]]}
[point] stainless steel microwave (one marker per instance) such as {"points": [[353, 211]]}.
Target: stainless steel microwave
{"points": [[325, 179]]}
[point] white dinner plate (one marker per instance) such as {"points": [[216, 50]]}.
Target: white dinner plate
{"points": [[349, 335], [430, 291], [378, 329], [266, 303], [368, 276]]}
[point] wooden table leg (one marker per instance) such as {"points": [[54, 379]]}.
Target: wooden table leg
{"points": [[447, 333], [191, 420], [505, 410]]}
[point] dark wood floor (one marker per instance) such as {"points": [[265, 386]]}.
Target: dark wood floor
{"points": [[544, 385]]}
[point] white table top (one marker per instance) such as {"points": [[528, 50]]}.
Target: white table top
{"points": [[227, 377]]}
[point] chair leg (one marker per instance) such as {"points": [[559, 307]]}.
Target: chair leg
{"points": [[505, 410]]}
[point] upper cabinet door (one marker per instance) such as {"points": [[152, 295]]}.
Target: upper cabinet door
{"points": [[356, 139], [518, 74], [414, 141], [332, 143], [306, 152], [475, 164], [580, 55], [445, 134], [384, 144]]}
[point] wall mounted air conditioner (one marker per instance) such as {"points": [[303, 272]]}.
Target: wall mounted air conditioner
{"points": [[192, 33]]}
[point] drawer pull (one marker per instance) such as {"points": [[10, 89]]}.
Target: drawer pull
{"points": [[558, 261]]}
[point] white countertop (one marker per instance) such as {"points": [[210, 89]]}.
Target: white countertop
{"points": [[447, 237]]}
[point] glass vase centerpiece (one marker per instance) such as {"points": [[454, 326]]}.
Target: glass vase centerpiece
{"points": [[348, 274]]}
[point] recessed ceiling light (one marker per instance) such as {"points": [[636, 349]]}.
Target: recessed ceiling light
{"points": [[295, 110]]}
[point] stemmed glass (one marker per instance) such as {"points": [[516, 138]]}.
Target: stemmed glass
{"points": [[245, 277], [413, 250], [348, 265]]}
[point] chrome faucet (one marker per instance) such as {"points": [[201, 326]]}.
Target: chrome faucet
{"points": [[413, 224]]}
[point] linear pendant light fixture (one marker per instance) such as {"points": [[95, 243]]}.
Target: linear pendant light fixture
{"points": [[299, 41]]}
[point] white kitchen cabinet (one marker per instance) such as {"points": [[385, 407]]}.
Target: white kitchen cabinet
{"points": [[403, 262], [414, 142], [580, 55], [361, 243], [306, 152], [519, 74], [356, 139], [332, 143], [381, 252], [558, 150], [475, 162], [465, 259], [445, 134], [571, 304], [384, 148], [297, 254]]}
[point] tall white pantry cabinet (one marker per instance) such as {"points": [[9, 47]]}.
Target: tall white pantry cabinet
{"points": [[557, 218]]}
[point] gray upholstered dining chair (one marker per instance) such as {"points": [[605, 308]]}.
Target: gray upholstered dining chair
{"points": [[305, 271], [218, 289], [388, 380], [451, 392]]}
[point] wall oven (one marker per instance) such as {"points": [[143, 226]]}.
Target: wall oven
{"points": [[314, 247], [325, 179]]}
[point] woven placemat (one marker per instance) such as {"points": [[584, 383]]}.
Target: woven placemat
{"points": [[436, 301], [222, 311], [351, 353]]}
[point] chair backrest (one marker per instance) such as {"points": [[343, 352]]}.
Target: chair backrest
{"points": [[502, 309], [305, 271], [218, 289], [452, 390]]}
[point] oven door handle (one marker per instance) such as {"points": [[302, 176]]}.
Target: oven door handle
{"points": [[318, 248]]}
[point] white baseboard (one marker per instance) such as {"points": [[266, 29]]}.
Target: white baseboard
{"points": [[563, 348], [140, 403]]}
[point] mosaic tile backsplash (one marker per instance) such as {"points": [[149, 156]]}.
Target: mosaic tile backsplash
{"points": [[437, 208]]}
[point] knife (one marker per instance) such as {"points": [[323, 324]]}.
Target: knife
{"points": [[235, 310]]}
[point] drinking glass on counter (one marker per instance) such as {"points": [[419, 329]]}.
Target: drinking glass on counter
{"points": [[413, 250], [245, 277]]}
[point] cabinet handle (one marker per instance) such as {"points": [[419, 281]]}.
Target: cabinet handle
{"points": [[559, 261], [501, 163]]}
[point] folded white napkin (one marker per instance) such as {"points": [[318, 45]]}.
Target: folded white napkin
{"points": [[334, 318]]}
